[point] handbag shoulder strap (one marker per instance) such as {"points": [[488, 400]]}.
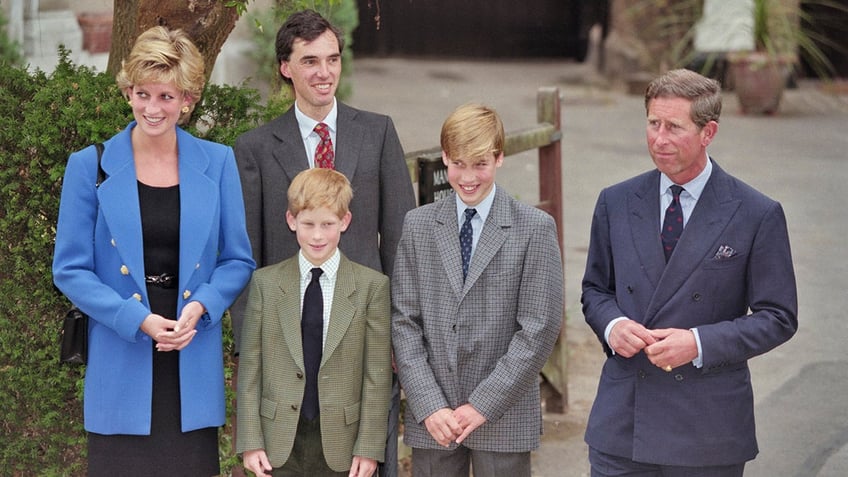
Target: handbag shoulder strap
{"points": [[101, 174]]}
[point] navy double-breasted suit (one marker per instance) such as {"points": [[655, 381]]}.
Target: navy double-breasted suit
{"points": [[743, 303]]}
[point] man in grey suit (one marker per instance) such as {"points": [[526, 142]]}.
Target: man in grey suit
{"points": [[364, 147], [477, 307], [681, 307]]}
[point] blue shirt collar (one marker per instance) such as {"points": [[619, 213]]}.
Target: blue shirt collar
{"points": [[694, 187], [483, 208]]}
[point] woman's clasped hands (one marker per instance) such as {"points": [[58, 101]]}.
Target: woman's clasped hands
{"points": [[173, 335]]}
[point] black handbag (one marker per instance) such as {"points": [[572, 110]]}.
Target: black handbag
{"points": [[73, 345]]}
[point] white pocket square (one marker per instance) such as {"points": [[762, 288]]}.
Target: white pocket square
{"points": [[725, 251]]}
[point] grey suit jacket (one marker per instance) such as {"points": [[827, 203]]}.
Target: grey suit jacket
{"points": [[743, 303], [354, 379], [367, 151], [484, 341]]}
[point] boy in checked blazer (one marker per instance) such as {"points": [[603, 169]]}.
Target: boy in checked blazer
{"points": [[322, 419], [477, 308]]}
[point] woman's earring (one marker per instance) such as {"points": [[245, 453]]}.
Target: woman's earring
{"points": [[185, 109], [129, 103]]}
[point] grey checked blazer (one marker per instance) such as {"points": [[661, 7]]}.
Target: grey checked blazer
{"points": [[483, 341]]}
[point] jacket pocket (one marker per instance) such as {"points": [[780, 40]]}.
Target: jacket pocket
{"points": [[739, 260], [268, 408], [351, 413]]}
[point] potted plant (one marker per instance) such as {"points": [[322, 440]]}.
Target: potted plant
{"points": [[762, 50], [782, 30]]}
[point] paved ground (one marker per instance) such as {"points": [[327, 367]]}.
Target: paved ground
{"points": [[798, 157]]}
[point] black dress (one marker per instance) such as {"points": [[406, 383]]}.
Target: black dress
{"points": [[167, 450]]}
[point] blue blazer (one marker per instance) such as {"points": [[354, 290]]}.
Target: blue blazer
{"points": [[99, 265], [743, 303]]}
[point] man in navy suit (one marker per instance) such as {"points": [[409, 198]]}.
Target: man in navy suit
{"points": [[680, 316]]}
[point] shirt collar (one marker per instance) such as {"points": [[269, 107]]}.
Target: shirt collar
{"points": [[330, 267], [307, 124], [694, 187], [482, 208]]}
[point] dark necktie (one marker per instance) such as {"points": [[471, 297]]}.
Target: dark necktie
{"points": [[312, 330], [466, 236], [673, 223], [324, 152]]}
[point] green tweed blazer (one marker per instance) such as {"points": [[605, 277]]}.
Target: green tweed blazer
{"points": [[354, 381]]}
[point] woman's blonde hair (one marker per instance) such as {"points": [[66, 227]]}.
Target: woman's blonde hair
{"points": [[316, 187], [160, 55]]}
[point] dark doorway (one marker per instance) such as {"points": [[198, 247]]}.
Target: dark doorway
{"points": [[477, 28]]}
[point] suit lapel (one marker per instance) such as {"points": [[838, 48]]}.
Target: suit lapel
{"points": [[349, 134], [492, 237], [712, 213], [643, 206], [447, 242], [289, 153], [120, 207], [198, 203], [288, 309], [343, 309]]}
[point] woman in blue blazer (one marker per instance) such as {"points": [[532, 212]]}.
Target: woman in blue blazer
{"points": [[154, 255]]}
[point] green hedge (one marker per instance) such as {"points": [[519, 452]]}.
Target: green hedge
{"points": [[43, 118]]}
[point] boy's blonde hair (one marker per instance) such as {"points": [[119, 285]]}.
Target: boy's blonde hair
{"points": [[316, 187], [160, 55], [472, 131]]}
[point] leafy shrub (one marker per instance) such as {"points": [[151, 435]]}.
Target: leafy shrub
{"points": [[43, 118]]}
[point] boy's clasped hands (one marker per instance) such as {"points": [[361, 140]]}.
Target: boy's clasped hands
{"points": [[447, 425]]}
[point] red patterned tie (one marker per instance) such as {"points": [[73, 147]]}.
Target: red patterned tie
{"points": [[324, 152]]}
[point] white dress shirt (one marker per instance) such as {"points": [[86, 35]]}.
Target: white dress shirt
{"points": [[307, 130]]}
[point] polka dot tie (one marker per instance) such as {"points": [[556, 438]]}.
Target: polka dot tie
{"points": [[465, 238], [673, 223], [324, 152]]}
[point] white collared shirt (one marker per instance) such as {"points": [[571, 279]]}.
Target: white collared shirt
{"points": [[479, 219], [307, 130], [327, 281]]}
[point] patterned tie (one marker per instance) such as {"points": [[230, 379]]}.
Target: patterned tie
{"points": [[312, 330], [324, 152], [673, 223], [465, 238]]}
